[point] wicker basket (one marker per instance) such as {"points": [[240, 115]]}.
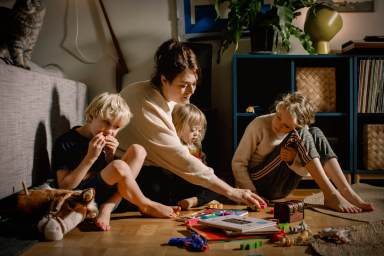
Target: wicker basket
{"points": [[319, 84], [373, 135]]}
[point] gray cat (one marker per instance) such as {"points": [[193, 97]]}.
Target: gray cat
{"points": [[20, 29]]}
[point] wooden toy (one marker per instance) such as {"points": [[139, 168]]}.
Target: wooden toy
{"points": [[290, 211]]}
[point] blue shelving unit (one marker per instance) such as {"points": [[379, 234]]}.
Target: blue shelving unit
{"points": [[258, 80]]}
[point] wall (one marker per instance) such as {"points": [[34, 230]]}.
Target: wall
{"points": [[140, 27]]}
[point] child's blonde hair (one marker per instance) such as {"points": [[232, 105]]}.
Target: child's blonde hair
{"points": [[185, 116], [299, 106], [108, 106]]}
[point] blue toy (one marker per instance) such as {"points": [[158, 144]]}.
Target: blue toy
{"points": [[194, 243]]}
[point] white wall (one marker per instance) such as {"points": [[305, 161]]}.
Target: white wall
{"points": [[141, 26]]}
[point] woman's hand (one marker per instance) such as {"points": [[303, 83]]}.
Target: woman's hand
{"points": [[111, 144], [95, 146], [247, 197], [288, 154]]}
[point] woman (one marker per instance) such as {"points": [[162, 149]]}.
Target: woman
{"points": [[169, 163]]}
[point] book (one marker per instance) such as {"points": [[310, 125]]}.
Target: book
{"points": [[261, 231], [237, 223], [216, 234], [213, 213], [363, 47]]}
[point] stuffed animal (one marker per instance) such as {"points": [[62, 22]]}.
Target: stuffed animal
{"points": [[60, 210]]}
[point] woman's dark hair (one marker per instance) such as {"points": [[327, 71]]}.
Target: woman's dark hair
{"points": [[171, 59]]}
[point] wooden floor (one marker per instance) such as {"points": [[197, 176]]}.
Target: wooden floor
{"points": [[133, 235]]}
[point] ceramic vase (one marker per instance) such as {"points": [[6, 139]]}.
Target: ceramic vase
{"points": [[322, 23]]}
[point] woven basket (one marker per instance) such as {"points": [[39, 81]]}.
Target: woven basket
{"points": [[319, 85], [373, 135]]}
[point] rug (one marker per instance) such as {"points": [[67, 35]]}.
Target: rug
{"points": [[365, 239], [368, 192]]}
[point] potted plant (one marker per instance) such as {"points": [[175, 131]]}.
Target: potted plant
{"points": [[268, 25]]}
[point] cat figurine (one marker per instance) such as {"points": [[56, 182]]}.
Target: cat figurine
{"points": [[20, 29]]}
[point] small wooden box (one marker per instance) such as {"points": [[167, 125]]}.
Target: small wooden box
{"points": [[290, 211]]}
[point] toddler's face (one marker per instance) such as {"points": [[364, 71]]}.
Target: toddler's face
{"points": [[191, 135], [283, 122], [107, 127]]}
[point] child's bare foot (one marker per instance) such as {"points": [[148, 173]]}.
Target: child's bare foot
{"points": [[340, 204], [157, 210], [187, 203], [102, 220], [355, 199]]}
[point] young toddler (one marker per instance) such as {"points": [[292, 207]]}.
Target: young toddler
{"points": [[84, 157], [190, 124]]}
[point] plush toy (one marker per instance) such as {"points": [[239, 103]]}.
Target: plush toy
{"points": [[60, 210]]}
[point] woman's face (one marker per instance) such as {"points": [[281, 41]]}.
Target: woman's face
{"points": [[181, 88], [283, 122]]}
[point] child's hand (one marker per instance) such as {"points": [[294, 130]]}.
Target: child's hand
{"points": [[95, 146], [288, 154], [111, 144]]}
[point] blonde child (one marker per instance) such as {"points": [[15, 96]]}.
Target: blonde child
{"points": [[278, 149], [85, 157], [190, 124]]}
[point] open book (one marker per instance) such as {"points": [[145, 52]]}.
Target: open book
{"points": [[237, 223]]}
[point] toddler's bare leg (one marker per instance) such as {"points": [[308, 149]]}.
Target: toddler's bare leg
{"points": [[334, 172], [332, 198]]}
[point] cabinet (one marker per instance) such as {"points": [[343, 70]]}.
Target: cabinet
{"points": [[368, 110], [258, 80]]}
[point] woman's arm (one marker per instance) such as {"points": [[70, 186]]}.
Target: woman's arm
{"points": [[244, 196]]}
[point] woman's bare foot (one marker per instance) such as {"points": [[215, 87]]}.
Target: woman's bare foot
{"points": [[338, 203], [157, 210], [355, 199], [102, 220], [187, 203]]}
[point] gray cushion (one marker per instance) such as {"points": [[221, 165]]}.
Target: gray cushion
{"points": [[35, 109]]}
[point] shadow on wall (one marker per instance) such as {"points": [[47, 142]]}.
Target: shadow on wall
{"points": [[59, 124], [41, 167]]}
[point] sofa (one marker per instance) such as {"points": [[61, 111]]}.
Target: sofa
{"points": [[37, 106]]}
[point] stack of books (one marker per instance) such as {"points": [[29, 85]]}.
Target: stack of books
{"points": [[363, 47], [371, 86], [233, 227]]}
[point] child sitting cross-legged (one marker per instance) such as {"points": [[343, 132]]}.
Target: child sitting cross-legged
{"points": [[190, 124], [84, 157]]}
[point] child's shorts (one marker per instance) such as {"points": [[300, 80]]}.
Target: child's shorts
{"points": [[103, 190]]}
